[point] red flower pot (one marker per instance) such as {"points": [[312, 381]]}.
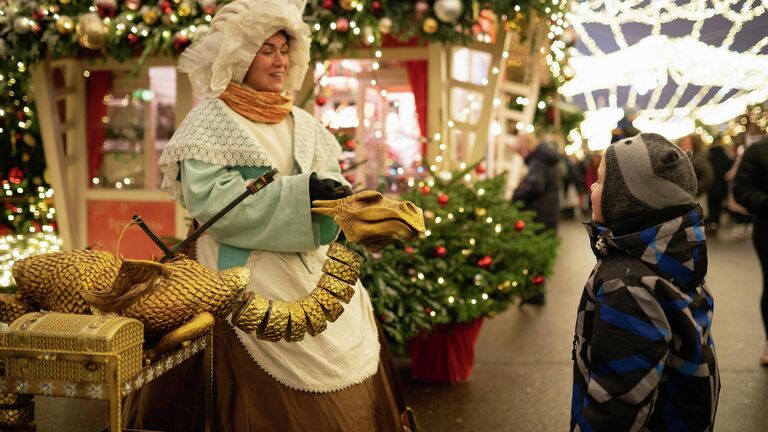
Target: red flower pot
{"points": [[446, 354]]}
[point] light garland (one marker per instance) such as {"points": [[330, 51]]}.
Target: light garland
{"points": [[648, 64], [16, 247]]}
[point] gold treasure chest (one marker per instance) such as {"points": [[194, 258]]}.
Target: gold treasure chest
{"points": [[62, 352]]}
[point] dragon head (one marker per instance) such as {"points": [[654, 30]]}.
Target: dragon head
{"points": [[370, 219]]}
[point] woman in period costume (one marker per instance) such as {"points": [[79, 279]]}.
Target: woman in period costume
{"points": [[255, 56]]}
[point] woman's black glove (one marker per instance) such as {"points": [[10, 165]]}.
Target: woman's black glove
{"points": [[326, 189]]}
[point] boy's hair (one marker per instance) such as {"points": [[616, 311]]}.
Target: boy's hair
{"points": [[644, 173]]}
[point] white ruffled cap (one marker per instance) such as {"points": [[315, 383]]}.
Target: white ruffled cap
{"points": [[238, 31]]}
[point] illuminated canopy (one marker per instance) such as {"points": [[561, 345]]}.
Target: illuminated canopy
{"points": [[672, 61]]}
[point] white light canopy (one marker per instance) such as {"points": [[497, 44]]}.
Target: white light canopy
{"points": [[671, 61]]}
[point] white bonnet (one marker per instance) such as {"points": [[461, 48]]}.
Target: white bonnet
{"points": [[238, 31]]}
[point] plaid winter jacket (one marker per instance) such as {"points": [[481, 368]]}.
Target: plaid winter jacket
{"points": [[644, 358]]}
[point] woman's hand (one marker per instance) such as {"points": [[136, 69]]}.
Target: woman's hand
{"points": [[327, 189]]}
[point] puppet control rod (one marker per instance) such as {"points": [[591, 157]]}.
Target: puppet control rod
{"points": [[250, 189]]}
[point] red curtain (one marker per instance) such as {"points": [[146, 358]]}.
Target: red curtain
{"points": [[98, 85], [417, 75], [446, 354]]}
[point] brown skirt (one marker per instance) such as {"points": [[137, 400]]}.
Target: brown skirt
{"points": [[247, 399]]}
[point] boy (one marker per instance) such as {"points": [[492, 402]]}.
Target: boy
{"points": [[643, 355]]}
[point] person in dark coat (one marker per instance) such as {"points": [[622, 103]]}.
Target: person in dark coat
{"points": [[718, 192], [539, 190], [750, 188]]}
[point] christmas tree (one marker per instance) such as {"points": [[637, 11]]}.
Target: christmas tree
{"points": [[480, 254]]}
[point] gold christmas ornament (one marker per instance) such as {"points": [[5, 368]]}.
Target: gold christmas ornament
{"points": [[448, 11], [275, 320], [430, 25], [385, 25], [65, 24], [185, 9], [373, 221], [64, 2], [480, 212], [91, 31], [150, 17], [29, 140], [348, 4]]}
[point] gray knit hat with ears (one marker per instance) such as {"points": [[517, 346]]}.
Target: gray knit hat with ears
{"points": [[644, 173]]}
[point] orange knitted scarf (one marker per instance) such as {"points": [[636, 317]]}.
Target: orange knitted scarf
{"points": [[257, 106]]}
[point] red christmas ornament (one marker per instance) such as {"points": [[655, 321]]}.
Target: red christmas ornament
{"points": [[519, 225], [427, 310], [180, 42], [342, 25], [351, 144], [5, 230], [132, 39], [20, 116], [480, 169], [485, 261], [425, 190], [320, 100], [166, 7], [106, 8], [442, 199], [441, 251], [376, 7], [328, 4], [37, 14], [15, 175], [538, 280], [408, 250]]}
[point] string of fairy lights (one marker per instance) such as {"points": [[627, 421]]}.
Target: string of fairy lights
{"points": [[559, 37], [729, 81]]}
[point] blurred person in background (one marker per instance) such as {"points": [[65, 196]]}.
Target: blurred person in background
{"points": [[750, 188], [718, 192], [540, 188]]}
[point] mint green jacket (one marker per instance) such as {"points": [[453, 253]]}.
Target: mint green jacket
{"points": [[277, 218]]}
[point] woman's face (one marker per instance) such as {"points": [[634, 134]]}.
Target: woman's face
{"points": [[597, 194], [269, 66]]}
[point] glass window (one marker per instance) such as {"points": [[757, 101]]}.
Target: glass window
{"points": [[130, 119]]}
